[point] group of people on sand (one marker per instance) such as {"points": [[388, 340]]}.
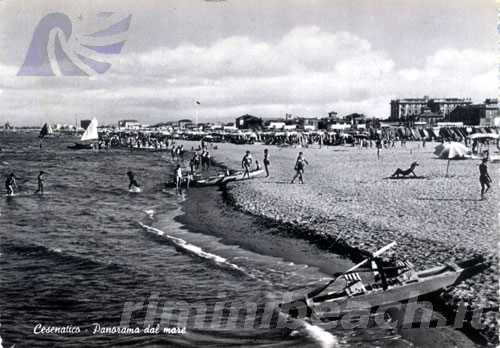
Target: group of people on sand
{"points": [[246, 164], [11, 184]]}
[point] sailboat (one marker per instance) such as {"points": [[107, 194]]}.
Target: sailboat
{"points": [[86, 141], [45, 130]]}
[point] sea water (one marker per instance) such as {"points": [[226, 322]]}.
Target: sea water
{"points": [[92, 265]]}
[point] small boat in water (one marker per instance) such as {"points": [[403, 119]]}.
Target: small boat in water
{"points": [[88, 137], [218, 179], [392, 284]]}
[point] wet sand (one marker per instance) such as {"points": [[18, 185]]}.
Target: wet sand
{"points": [[347, 200]]}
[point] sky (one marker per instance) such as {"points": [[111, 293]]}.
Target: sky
{"points": [[261, 57]]}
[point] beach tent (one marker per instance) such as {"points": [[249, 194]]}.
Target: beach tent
{"points": [[451, 151], [481, 136]]}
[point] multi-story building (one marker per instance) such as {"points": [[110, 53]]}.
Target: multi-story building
{"points": [[407, 110], [249, 122], [484, 114]]}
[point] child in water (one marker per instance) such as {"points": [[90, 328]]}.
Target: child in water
{"points": [[132, 182], [10, 183], [41, 180]]}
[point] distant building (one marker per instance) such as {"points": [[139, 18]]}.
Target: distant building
{"points": [[84, 124], [308, 123], [405, 110], [428, 118], [129, 124], [333, 114], [183, 124], [484, 114], [354, 118], [249, 122], [275, 124]]}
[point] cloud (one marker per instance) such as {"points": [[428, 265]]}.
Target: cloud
{"points": [[307, 71]]}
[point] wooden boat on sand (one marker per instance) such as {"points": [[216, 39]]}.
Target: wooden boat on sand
{"points": [[394, 284], [219, 179]]}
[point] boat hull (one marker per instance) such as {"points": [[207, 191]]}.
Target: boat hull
{"points": [[80, 146], [330, 305], [219, 179]]}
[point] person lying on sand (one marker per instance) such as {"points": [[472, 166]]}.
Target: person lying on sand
{"points": [[400, 172]]}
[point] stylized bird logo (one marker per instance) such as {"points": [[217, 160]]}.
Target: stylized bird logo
{"points": [[54, 51]]}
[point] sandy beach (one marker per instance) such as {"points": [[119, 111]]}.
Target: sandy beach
{"points": [[347, 198]]}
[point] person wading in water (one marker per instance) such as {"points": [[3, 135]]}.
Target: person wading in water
{"points": [[299, 168], [132, 182], [10, 183], [41, 180]]}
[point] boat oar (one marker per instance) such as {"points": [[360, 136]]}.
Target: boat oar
{"points": [[375, 254]]}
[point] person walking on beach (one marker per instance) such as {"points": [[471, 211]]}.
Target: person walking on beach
{"points": [[132, 182], [205, 160], [378, 144], [178, 178], [266, 162], [299, 168], [484, 177], [41, 180], [246, 163], [10, 184]]}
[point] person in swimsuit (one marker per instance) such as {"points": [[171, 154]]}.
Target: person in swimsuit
{"points": [[132, 182], [246, 163], [484, 177], [378, 144], [299, 168], [178, 178], [266, 162], [41, 180], [10, 184]]}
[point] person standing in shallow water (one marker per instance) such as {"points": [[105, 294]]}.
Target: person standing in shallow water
{"points": [[41, 180], [484, 177], [266, 162], [132, 182], [299, 168], [178, 178], [10, 183]]}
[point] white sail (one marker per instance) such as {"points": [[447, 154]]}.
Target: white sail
{"points": [[49, 129], [91, 131]]}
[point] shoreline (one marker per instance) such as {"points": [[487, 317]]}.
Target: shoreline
{"points": [[481, 290], [356, 254], [204, 202]]}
